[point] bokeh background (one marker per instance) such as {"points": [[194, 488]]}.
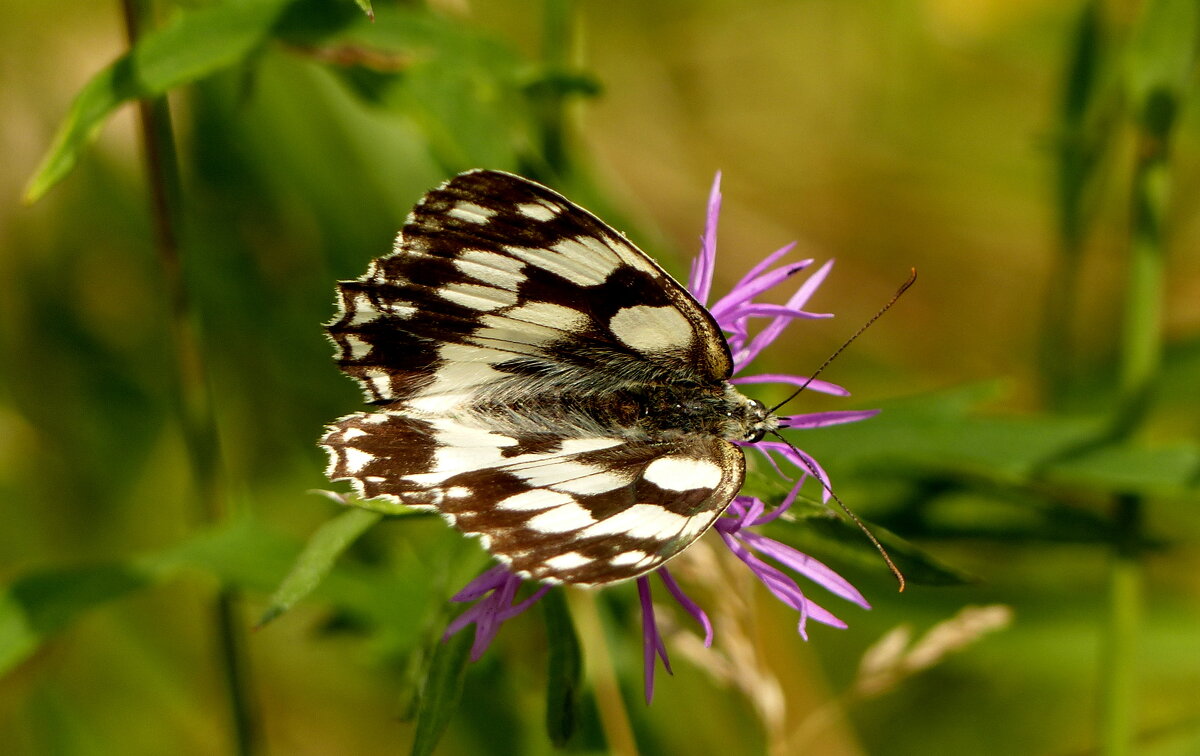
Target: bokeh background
{"points": [[1013, 151]]}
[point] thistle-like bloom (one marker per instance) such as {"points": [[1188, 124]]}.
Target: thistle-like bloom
{"points": [[495, 590]]}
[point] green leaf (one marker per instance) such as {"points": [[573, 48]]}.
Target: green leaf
{"points": [[366, 8], [564, 669], [1170, 470], [1162, 54], [443, 688], [191, 46], [317, 559], [936, 434], [385, 507], [462, 89], [40, 604]]}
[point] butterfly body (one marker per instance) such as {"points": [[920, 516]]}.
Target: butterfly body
{"points": [[540, 382]]}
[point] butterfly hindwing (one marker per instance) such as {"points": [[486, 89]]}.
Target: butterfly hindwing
{"points": [[582, 510]]}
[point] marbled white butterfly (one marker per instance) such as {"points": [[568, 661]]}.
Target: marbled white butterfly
{"points": [[541, 383]]}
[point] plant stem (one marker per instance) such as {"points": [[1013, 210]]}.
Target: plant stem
{"points": [[1119, 689], [614, 719], [1077, 156], [193, 401], [1141, 355], [1141, 337]]}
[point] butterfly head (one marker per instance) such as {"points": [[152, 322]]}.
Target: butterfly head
{"points": [[749, 419]]}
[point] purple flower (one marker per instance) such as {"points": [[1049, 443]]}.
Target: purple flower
{"points": [[494, 591]]}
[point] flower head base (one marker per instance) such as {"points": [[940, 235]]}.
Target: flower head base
{"points": [[494, 590]]}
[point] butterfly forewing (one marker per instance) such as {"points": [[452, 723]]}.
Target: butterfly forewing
{"points": [[516, 343]]}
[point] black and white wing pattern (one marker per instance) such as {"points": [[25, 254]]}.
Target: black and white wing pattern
{"points": [[541, 382]]}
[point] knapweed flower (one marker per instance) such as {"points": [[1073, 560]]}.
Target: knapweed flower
{"points": [[494, 592]]}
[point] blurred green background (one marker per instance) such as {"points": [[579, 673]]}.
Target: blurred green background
{"points": [[1037, 161]]}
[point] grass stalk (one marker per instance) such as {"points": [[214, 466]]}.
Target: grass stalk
{"points": [[193, 398]]}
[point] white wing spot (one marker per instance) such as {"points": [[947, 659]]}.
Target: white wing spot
{"points": [[356, 459], [595, 483], [683, 473], [564, 518], [364, 311], [569, 561], [461, 448], [378, 382], [402, 310], [457, 492], [477, 297], [470, 212], [354, 348], [352, 433], [633, 256], [554, 316], [462, 368], [539, 211], [651, 329], [582, 260], [534, 500], [491, 268], [572, 477], [627, 558], [640, 521], [581, 445]]}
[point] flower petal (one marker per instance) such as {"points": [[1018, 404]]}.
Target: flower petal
{"points": [[772, 331], [690, 606], [766, 310], [817, 385], [806, 565], [803, 461], [491, 610], [728, 303], [486, 581], [775, 579], [700, 280], [767, 262], [652, 644], [822, 419]]}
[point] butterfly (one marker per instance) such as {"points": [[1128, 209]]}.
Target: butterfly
{"points": [[541, 383]]}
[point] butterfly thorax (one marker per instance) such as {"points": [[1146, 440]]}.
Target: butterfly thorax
{"points": [[650, 412]]}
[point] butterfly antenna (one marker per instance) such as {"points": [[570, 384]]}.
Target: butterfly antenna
{"points": [[912, 278], [849, 513]]}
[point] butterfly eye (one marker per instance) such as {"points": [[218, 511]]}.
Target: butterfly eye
{"points": [[756, 415], [758, 410]]}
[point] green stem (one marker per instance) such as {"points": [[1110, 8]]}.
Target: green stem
{"points": [[614, 718], [1119, 684], [193, 400], [1141, 337], [1141, 355], [1077, 158]]}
